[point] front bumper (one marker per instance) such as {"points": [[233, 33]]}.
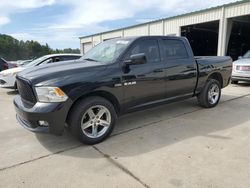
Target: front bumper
{"points": [[54, 114], [239, 78]]}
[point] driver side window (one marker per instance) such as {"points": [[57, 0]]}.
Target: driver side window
{"points": [[149, 47]]}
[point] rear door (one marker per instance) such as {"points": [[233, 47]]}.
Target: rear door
{"points": [[144, 83], [181, 70]]}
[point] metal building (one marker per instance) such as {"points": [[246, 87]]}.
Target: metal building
{"points": [[222, 30]]}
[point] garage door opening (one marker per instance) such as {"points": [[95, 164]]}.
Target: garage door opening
{"points": [[203, 38], [239, 42]]}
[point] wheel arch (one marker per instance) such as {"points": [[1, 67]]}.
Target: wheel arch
{"points": [[217, 76], [104, 94]]}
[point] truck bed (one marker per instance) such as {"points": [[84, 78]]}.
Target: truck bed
{"points": [[207, 65]]}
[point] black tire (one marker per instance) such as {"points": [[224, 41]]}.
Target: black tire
{"points": [[234, 82], [15, 86], [203, 97], [80, 109]]}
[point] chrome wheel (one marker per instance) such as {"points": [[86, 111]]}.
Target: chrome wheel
{"points": [[213, 94], [96, 121]]}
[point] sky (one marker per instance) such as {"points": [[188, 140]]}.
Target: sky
{"points": [[60, 23]]}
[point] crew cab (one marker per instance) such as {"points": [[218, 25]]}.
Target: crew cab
{"points": [[116, 77]]}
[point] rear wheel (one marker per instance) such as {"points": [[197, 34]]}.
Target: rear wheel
{"points": [[210, 95], [92, 120]]}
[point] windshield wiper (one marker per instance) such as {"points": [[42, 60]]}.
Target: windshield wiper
{"points": [[89, 59]]}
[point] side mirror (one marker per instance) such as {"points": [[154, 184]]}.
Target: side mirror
{"points": [[136, 59], [240, 57]]}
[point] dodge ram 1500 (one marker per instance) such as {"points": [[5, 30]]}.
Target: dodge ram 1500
{"points": [[117, 76]]}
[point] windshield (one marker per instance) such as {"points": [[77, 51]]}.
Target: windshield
{"points": [[247, 55], [36, 61], [107, 51]]}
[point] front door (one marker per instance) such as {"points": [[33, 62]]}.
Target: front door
{"points": [[144, 83]]}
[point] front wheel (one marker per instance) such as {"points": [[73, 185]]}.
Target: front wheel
{"points": [[210, 95], [92, 120]]}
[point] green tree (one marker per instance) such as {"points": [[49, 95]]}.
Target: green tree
{"points": [[12, 49]]}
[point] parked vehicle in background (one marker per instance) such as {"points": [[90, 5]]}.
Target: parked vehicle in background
{"points": [[3, 64], [24, 62], [241, 69], [8, 77], [11, 65], [115, 77], [21, 62]]}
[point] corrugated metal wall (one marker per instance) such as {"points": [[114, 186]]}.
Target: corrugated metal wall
{"points": [[137, 31], [238, 10], [201, 17], [156, 28], [173, 26], [111, 35], [96, 40]]}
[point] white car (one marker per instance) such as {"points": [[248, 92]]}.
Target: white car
{"points": [[21, 62], [241, 69], [8, 77]]}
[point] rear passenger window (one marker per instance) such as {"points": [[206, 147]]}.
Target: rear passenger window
{"points": [[174, 49], [149, 47]]}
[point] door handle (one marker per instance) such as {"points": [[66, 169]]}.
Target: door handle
{"points": [[158, 71]]}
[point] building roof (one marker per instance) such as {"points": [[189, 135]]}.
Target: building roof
{"points": [[168, 18]]}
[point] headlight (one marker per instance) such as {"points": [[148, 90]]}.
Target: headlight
{"points": [[50, 94], [3, 74]]}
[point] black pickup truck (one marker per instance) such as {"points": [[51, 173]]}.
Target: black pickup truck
{"points": [[115, 77]]}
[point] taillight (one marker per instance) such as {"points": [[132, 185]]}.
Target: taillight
{"points": [[5, 66], [243, 68]]}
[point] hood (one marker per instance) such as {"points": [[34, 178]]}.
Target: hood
{"points": [[60, 72], [12, 71], [243, 61]]}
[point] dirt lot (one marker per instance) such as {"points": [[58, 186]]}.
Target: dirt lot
{"points": [[176, 145]]}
